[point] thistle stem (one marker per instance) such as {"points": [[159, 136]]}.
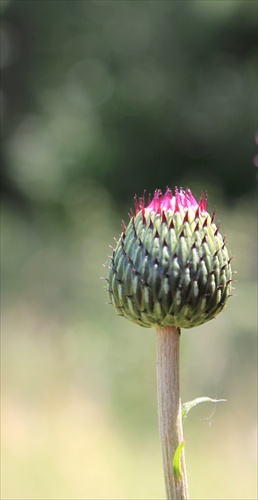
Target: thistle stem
{"points": [[169, 408]]}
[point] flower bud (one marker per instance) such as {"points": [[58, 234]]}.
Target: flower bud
{"points": [[170, 265]]}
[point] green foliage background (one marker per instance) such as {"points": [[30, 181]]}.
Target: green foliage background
{"points": [[101, 100]]}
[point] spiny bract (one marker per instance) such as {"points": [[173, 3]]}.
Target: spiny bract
{"points": [[170, 265]]}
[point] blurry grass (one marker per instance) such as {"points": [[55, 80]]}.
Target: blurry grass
{"points": [[79, 411], [59, 439]]}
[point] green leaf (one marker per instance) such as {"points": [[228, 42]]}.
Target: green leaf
{"points": [[186, 407], [177, 461]]}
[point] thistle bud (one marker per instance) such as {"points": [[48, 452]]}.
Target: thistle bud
{"points": [[170, 265]]}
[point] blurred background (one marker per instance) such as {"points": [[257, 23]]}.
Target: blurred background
{"points": [[99, 101]]}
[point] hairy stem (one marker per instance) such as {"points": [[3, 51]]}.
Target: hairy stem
{"points": [[169, 407]]}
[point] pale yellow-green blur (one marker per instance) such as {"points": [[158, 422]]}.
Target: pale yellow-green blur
{"points": [[79, 411]]}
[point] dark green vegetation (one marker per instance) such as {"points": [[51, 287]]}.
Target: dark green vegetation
{"points": [[131, 95]]}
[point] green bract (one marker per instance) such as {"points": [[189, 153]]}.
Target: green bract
{"points": [[170, 265]]}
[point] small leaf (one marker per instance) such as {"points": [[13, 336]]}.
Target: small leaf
{"points": [[177, 462], [186, 407]]}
